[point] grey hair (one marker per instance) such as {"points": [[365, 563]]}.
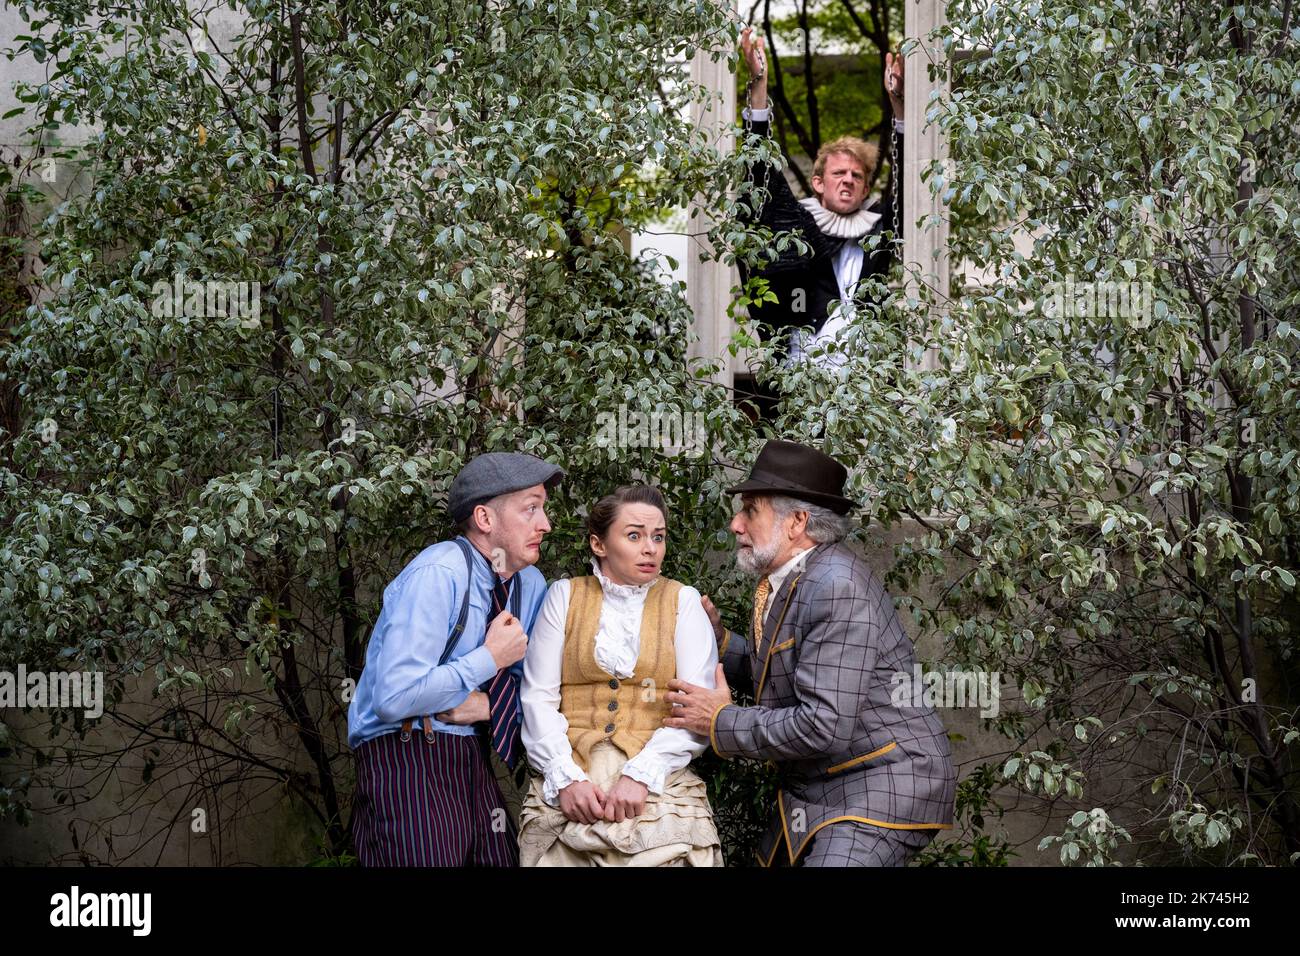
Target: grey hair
{"points": [[824, 525]]}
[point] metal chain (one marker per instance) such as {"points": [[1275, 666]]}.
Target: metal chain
{"points": [[749, 92], [896, 175], [754, 78]]}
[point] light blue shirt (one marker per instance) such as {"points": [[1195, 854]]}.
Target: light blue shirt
{"points": [[402, 677]]}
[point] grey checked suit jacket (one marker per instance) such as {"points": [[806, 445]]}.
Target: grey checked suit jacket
{"points": [[822, 680]]}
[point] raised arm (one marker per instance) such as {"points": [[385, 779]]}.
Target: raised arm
{"points": [[878, 262], [781, 212]]}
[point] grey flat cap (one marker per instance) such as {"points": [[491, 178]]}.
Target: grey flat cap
{"points": [[497, 473]]}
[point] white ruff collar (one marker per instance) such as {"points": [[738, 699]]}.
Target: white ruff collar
{"points": [[837, 225]]}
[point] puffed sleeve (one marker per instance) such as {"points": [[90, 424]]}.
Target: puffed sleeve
{"points": [[545, 731]]}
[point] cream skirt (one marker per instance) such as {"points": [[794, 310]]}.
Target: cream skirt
{"points": [[675, 828]]}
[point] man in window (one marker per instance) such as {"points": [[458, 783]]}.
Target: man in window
{"points": [[815, 290]]}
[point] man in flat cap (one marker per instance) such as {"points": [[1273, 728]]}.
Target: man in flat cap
{"points": [[866, 782], [439, 694]]}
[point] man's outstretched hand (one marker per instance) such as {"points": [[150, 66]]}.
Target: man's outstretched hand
{"points": [[756, 60], [694, 706], [753, 49], [894, 82]]}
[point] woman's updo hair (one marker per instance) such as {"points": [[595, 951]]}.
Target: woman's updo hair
{"points": [[603, 512]]}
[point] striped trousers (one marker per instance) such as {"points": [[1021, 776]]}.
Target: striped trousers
{"points": [[429, 804]]}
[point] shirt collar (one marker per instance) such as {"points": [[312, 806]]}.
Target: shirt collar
{"points": [[628, 591], [777, 577], [483, 574]]}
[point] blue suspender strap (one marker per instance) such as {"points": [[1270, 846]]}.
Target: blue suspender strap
{"points": [[452, 640], [516, 604], [459, 629]]}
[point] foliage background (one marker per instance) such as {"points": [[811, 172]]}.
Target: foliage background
{"points": [[1107, 496], [1103, 509], [431, 198]]}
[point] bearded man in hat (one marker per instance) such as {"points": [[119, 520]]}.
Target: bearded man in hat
{"points": [[866, 782], [446, 655]]}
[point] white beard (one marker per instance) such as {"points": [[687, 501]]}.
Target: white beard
{"points": [[754, 562]]}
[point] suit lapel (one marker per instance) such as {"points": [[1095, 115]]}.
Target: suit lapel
{"points": [[776, 606], [771, 626], [776, 610], [775, 617]]}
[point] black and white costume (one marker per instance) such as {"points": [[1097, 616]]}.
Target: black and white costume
{"points": [[807, 285]]}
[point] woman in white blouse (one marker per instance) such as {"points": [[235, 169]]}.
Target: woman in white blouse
{"points": [[613, 786]]}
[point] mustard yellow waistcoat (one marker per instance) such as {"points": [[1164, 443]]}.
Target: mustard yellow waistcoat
{"points": [[599, 706]]}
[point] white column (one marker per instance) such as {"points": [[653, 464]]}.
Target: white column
{"points": [[709, 283], [925, 248]]}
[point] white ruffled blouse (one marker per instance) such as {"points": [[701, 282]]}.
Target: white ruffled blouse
{"points": [[618, 645]]}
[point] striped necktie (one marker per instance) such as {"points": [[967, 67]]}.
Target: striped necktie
{"points": [[503, 693], [760, 606]]}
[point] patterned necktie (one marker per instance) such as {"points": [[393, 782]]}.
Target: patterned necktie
{"points": [[760, 606], [503, 693]]}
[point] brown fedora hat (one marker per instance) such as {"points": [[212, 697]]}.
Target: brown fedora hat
{"points": [[788, 468]]}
